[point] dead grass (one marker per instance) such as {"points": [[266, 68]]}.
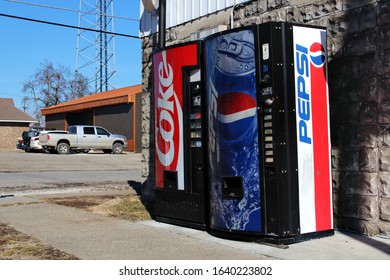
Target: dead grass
{"points": [[127, 207], [18, 246]]}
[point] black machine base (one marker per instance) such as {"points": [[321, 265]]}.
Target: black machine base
{"points": [[184, 223], [180, 208], [297, 238], [277, 240]]}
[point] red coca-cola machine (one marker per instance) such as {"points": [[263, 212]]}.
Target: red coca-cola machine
{"points": [[180, 169]]}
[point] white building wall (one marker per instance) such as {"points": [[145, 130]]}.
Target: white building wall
{"points": [[181, 11]]}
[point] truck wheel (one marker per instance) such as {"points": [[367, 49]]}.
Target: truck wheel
{"points": [[117, 148], [63, 148]]}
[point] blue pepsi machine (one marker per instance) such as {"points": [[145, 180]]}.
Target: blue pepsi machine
{"points": [[265, 134]]}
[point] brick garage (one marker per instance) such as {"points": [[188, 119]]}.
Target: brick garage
{"points": [[12, 123], [359, 84]]}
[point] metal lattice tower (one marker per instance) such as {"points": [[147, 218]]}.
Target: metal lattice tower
{"points": [[95, 57]]}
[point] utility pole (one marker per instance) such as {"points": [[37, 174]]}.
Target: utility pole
{"points": [[24, 105], [95, 51]]}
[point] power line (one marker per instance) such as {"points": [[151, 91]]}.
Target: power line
{"points": [[68, 26], [66, 9]]}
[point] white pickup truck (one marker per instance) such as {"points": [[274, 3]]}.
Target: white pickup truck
{"points": [[82, 138]]}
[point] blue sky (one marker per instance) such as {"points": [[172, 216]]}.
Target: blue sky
{"points": [[24, 45]]}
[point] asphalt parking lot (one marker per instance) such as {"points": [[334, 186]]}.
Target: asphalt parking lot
{"points": [[22, 172]]}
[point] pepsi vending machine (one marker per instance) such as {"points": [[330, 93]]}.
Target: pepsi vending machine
{"points": [[269, 172], [179, 131]]}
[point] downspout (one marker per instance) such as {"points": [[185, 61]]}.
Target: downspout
{"points": [[232, 15], [161, 24]]}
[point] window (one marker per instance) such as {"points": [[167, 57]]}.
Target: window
{"points": [[89, 130], [72, 130], [101, 131]]}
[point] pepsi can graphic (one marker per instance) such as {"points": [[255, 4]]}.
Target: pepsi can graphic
{"points": [[233, 152]]}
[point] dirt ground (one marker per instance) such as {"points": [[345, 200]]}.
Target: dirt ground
{"points": [[15, 245]]}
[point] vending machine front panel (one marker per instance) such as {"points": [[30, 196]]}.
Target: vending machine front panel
{"points": [[179, 137], [168, 103], [234, 165], [268, 132]]}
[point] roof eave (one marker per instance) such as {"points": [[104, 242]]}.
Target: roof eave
{"points": [[18, 121]]}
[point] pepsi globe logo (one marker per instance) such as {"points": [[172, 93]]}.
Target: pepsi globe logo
{"points": [[317, 55], [236, 113]]}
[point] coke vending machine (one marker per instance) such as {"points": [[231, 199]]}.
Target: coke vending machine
{"points": [[180, 167], [268, 132]]}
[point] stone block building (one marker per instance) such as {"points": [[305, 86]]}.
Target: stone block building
{"points": [[12, 123], [359, 87]]}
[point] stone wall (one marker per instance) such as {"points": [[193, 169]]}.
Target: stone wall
{"points": [[359, 85]]}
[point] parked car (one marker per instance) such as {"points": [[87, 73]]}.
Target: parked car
{"points": [[30, 141], [82, 138], [20, 144]]}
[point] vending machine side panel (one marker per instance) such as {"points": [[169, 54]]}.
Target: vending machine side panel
{"points": [[312, 126]]}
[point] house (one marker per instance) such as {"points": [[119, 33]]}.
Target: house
{"points": [[118, 110], [12, 123]]}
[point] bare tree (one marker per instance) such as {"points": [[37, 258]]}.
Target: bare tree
{"points": [[51, 86], [78, 86]]}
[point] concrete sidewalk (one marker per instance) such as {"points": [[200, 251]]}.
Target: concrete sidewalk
{"points": [[91, 236]]}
